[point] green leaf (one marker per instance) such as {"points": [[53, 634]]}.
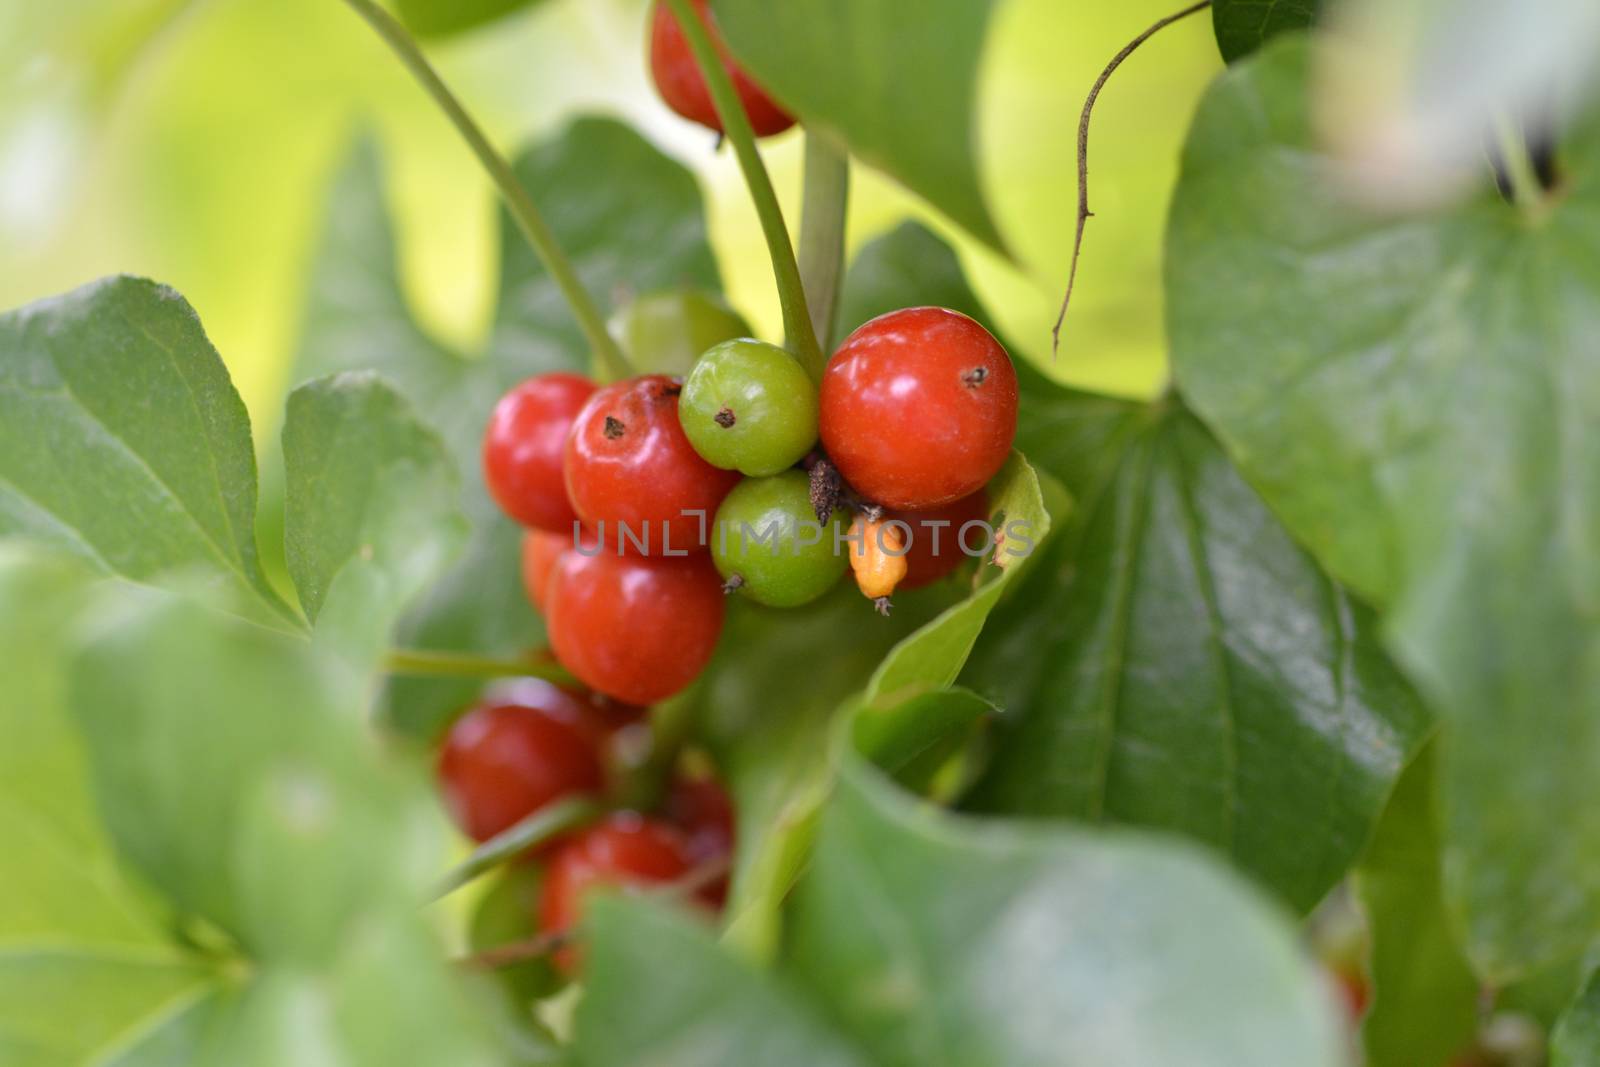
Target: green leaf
{"points": [[1411, 394], [659, 990], [1176, 661], [900, 91], [615, 191], [87, 962], [1242, 26], [441, 18], [122, 440], [937, 939], [911, 738], [371, 507], [1575, 1041], [1425, 999]]}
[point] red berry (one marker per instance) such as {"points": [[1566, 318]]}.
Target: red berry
{"points": [[540, 550], [524, 446], [637, 629], [625, 851], [942, 526], [701, 808], [680, 84], [629, 464], [918, 408], [501, 762]]}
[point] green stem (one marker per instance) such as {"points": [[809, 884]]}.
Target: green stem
{"points": [[541, 826], [430, 663], [736, 126], [672, 722], [825, 201], [1512, 147], [532, 224]]}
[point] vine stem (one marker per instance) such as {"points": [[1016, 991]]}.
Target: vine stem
{"points": [[1084, 214], [430, 663], [543, 825], [825, 202], [1522, 184], [526, 213], [736, 126]]}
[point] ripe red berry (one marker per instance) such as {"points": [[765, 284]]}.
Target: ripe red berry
{"points": [[501, 762], [524, 448], [540, 550], [918, 408], [681, 85], [935, 543], [625, 851], [635, 628], [701, 808], [628, 464]]}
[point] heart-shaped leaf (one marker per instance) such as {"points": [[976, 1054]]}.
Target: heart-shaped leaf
{"points": [[1242, 26], [1413, 394]]}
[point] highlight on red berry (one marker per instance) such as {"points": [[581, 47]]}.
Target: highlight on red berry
{"points": [[524, 449], [626, 851], [501, 762], [678, 78], [630, 467], [918, 408], [635, 628]]}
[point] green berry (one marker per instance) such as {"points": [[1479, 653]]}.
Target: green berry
{"points": [[769, 546], [748, 406], [665, 332]]}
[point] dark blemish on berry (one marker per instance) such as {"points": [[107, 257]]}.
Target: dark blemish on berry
{"points": [[613, 428], [975, 377], [724, 418], [734, 583], [672, 389]]}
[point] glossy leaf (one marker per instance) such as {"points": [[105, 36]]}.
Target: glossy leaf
{"points": [[1412, 394], [898, 87], [1043, 947], [1242, 26], [1425, 999], [123, 440], [441, 18], [1166, 655], [659, 990], [616, 192]]}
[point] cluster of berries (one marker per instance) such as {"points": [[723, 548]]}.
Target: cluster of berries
{"points": [[648, 501]]}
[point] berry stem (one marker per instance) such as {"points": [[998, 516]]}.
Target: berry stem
{"points": [[671, 724], [1514, 169], [529, 220], [430, 663], [548, 822], [736, 125], [825, 201]]}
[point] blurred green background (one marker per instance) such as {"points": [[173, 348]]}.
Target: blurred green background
{"points": [[192, 141]]}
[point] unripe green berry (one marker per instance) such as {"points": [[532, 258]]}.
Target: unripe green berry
{"points": [[749, 406], [665, 332], [768, 544]]}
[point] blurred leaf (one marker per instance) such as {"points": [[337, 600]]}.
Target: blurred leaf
{"points": [[1425, 1000], [630, 219], [658, 990], [371, 508], [122, 440], [440, 18], [86, 957], [1413, 395], [505, 914], [1414, 87], [1576, 1039], [1043, 947], [1242, 26], [898, 88], [910, 739], [1168, 651]]}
